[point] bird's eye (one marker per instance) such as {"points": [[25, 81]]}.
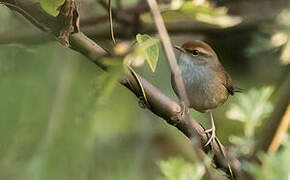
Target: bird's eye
{"points": [[195, 52]]}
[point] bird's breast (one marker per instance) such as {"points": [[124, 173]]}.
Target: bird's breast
{"points": [[204, 88]]}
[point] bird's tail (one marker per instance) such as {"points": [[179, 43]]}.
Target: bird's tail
{"points": [[238, 90]]}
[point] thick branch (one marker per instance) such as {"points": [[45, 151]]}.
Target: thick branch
{"points": [[159, 104]]}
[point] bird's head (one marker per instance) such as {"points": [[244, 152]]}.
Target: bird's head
{"points": [[197, 52]]}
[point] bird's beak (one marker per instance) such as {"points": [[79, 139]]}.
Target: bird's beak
{"points": [[179, 48]]}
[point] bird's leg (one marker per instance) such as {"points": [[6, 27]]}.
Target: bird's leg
{"points": [[211, 131]]}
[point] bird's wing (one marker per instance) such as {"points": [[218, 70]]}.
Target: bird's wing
{"points": [[227, 80], [228, 84]]}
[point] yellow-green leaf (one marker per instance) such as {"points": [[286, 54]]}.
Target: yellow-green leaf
{"points": [[201, 11], [51, 6], [149, 48]]}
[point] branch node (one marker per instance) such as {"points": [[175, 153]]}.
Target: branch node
{"points": [[69, 19]]}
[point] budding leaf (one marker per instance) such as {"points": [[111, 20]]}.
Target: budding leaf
{"points": [[51, 6], [149, 48]]}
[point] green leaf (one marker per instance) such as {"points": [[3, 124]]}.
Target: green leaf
{"points": [[149, 48], [273, 166], [251, 108], [195, 10], [51, 6], [177, 168]]}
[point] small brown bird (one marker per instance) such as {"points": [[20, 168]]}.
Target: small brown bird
{"points": [[206, 82]]}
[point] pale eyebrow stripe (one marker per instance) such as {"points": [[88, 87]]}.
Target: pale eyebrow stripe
{"points": [[203, 51]]}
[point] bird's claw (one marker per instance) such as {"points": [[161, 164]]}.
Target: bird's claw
{"points": [[212, 135], [210, 131]]}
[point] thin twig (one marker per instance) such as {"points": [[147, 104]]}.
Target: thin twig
{"points": [[168, 50], [282, 129], [119, 18], [111, 23]]}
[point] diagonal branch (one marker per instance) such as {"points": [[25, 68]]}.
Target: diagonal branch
{"points": [[168, 50], [159, 104]]}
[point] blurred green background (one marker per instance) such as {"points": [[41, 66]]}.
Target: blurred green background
{"points": [[61, 117]]}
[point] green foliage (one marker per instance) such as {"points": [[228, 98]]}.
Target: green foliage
{"points": [[274, 166], [51, 6], [259, 45], [61, 118], [107, 82], [274, 36], [149, 48], [202, 11], [251, 108], [4, 18], [178, 169]]}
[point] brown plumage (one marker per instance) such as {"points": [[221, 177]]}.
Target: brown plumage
{"points": [[202, 47], [206, 82]]}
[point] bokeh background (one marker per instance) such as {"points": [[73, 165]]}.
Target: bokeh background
{"points": [[61, 117]]}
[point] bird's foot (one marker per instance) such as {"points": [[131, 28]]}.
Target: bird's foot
{"points": [[211, 131], [212, 135]]}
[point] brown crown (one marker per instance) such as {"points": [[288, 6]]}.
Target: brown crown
{"points": [[202, 47]]}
